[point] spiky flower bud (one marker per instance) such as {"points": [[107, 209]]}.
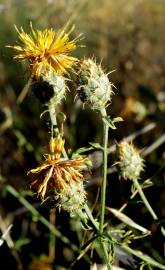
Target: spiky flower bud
{"points": [[72, 199], [130, 163], [94, 87], [50, 88]]}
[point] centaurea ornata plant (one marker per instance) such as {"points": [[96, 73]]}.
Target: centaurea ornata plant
{"points": [[60, 176]]}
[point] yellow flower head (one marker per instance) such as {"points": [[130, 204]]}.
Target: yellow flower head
{"points": [[46, 51], [56, 173]]}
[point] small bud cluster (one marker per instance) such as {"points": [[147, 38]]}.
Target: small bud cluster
{"points": [[130, 163]]}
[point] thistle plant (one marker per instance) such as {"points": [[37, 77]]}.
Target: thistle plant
{"points": [[62, 176]]}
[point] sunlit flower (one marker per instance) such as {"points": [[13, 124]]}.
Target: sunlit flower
{"points": [[58, 174], [46, 51]]}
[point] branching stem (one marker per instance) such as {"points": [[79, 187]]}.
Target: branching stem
{"points": [[53, 119]]}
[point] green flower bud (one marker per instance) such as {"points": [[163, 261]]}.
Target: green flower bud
{"points": [[73, 199], [94, 87], [130, 163]]}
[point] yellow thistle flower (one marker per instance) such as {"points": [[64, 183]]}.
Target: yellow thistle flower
{"points": [[46, 51], [57, 174]]}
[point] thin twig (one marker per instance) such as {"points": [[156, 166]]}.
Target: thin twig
{"points": [[52, 238], [134, 135], [6, 233], [153, 146], [42, 219], [143, 257]]}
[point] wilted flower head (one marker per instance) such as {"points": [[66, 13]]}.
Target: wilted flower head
{"points": [[60, 177], [130, 163], [94, 87], [46, 51]]}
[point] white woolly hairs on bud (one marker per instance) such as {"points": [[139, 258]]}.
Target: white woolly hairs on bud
{"points": [[130, 163], [94, 87]]}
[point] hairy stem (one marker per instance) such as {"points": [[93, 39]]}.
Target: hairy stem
{"points": [[106, 258], [103, 188], [104, 181], [52, 113]]}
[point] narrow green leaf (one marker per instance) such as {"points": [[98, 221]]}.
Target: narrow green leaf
{"points": [[109, 122], [96, 146], [83, 150], [125, 219]]}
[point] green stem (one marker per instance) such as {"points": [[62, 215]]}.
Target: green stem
{"points": [[52, 238], [147, 204], [104, 181], [52, 113], [106, 258], [53, 119], [102, 244], [103, 188]]}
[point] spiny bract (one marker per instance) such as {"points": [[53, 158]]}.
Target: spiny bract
{"points": [[130, 163], [50, 89], [94, 87]]}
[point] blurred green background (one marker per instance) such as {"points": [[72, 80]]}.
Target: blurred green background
{"points": [[127, 36]]}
